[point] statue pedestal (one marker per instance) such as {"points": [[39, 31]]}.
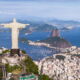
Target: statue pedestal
{"points": [[15, 51]]}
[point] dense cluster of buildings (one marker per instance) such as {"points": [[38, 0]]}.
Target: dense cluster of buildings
{"points": [[57, 68]]}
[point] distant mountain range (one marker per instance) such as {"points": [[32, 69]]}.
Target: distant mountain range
{"points": [[47, 25]]}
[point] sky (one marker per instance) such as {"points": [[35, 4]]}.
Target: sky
{"points": [[44, 9]]}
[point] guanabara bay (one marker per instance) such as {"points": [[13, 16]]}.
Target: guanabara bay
{"points": [[39, 39]]}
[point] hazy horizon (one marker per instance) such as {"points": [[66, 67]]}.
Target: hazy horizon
{"points": [[59, 9]]}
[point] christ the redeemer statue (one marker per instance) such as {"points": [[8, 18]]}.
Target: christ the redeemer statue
{"points": [[15, 26]]}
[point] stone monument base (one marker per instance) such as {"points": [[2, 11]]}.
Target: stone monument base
{"points": [[15, 51]]}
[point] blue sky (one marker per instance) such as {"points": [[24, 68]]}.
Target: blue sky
{"points": [[23, 9]]}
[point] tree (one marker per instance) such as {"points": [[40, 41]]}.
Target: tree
{"points": [[31, 67], [1, 74], [44, 77], [12, 68]]}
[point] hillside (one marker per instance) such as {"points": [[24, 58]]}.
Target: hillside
{"points": [[16, 66], [57, 42], [61, 66]]}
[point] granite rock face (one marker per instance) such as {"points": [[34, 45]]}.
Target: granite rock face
{"points": [[57, 42], [55, 33], [61, 67]]}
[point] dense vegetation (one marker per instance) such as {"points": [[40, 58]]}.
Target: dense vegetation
{"points": [[6, 51], [57, 42], [11, 79], [30, 66], [44, 77], [1, 74], [12, 68], [28, 63], [24, 52]]}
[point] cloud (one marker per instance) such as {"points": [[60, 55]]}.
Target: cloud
{"points": [[7, 13], [39, 0], [44, 0]]}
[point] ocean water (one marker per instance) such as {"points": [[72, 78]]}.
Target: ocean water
{"points": [[36, 52], [73, 36]]}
